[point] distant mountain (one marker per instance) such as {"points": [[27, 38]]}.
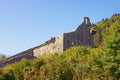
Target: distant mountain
{"points": [[1, 54], [2, 57]]}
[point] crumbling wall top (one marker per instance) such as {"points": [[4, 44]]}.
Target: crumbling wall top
{"points": [[86, 20], [85, 23]]}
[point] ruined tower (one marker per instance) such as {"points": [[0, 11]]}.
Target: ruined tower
{"points": [[81, 36]]}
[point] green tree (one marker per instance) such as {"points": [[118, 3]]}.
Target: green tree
{"points": [[19, 67], [2, 57], [112, 50]]}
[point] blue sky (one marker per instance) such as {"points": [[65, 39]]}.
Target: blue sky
{"points": [[27, 23]]}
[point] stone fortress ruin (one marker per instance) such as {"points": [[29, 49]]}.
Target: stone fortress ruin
{"points": [[81, 36]]}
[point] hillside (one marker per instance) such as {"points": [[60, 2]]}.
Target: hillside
{"points": [[1, 54], [2, 57], [76, 63]]}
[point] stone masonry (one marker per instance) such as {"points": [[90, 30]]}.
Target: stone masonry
{"points": [[81, 36]]}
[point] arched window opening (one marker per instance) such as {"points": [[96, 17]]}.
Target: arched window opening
{"points": [[86, 21]]}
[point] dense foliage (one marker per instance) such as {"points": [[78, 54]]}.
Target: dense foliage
{"points": [[3, 57], [76, 63]]}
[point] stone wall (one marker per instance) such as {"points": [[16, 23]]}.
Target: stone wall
{"points": [[81, 36], [55, 46], [28, 54], [15, 59], [59, 44], [44, 49]]}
